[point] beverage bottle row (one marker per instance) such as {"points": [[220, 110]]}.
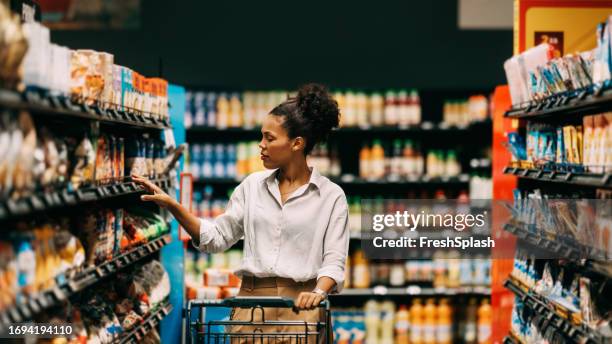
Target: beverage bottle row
{"points": [[405, 160], [429, 321], [465, 111], [393, 108], [325, 160], [248, 109], [229, 109], [443, 271], [225, 160]]}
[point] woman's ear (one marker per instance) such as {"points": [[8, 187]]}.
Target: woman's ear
{"points": [[298, 144]]}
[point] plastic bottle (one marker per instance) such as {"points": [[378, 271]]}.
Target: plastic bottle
{"points": [[377, 108], [398, 276], [372, 321], [444, 333], [235, 111], [402, 325], [432, 164], [351, 109], [223, 114], [403, 109], [429, 322], [378, 160], [415, 104], [362, 110], [361, 273], [484, 322], [397, 158], [207, 161], [469, 334], [365, 162], [416, 322], [387, 325], [408, 162], [390, 108], [219, 159]]}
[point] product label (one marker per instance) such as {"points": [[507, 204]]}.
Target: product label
{"points": [[484, 333], [416, 333]]}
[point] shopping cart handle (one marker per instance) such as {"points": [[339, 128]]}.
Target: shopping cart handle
{"points": [[255, 301]]}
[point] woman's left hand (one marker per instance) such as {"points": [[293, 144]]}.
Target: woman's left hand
{"points": [[308, 300]]}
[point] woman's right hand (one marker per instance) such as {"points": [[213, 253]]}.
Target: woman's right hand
{"points": [[157, 195]]}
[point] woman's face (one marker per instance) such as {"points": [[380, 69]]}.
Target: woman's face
{"points": [[276, 148]]}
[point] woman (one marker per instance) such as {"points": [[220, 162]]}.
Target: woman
{"points": [[294, 221]]}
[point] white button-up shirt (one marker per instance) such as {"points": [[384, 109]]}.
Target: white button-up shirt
{"points": [[305, 238]]}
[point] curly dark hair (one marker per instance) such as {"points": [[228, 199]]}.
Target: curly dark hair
{"points": [[312, 114]]}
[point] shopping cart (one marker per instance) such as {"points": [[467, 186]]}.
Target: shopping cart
{"points": [[260, 330]]}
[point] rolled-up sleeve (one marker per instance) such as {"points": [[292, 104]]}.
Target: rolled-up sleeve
{"points": [[226, 229], [335, 245]]}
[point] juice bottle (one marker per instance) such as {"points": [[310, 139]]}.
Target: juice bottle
{"points": [[432, 164], [365, 162], [361, 273], [222, 112], [408, 162], [398, 276], [415, 103], [416, 320], [378, 160], [484, 322], [362, 109], [236, 113], [387, 325], [469, 334], [429, 322], [403, 109], [397, 158], [372, 321], [444, 326], [390, 108], [377, 108], [402, 325], [351, 109]]}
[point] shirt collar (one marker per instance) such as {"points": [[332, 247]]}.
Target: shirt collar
{"points": [[315, 177]]}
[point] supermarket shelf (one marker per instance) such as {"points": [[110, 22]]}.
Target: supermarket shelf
{"points": [[568, 249], [412, 290], [424, 127], [350, 180], [539, 304], [43, 201], [149, 323], [41, 103], [580, 103], [585, 179], [83, 280]]}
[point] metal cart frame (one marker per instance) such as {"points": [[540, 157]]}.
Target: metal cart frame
{"points": [[200, 331]]}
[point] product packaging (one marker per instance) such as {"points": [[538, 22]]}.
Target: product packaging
{"points": [[14, 47]]}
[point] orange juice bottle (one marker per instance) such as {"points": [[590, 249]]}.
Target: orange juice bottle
{"points": [[429, 322], [361, 271], [378, 160], [416, 322], [444, 326], [365, 162], [402, 325], [484, 322]]}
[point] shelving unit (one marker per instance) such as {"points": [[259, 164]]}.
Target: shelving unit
{"points": [[64, 198], [81, 281], [149, 323], [595, 99], [589, 262], [583, 179], [49, 105], [539, 304], [557, 247]]}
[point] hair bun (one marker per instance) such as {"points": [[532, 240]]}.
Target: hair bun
{"points": [[319, 108]]}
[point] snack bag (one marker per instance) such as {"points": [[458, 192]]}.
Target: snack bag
{"points": [[84, 164]]}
